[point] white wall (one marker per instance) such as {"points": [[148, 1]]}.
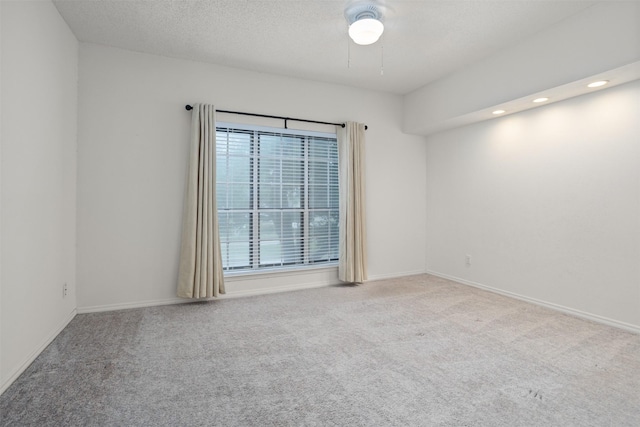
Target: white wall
{"points": [[2, 381], [38, 176], [132, 155], [546, 202]]}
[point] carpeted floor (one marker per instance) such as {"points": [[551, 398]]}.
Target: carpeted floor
{"points": [[416, 351]]}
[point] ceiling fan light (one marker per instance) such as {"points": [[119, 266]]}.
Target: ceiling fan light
{"points": [[366, 31]]}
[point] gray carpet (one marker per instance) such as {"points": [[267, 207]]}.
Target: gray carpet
{"points": [[417, 351]]}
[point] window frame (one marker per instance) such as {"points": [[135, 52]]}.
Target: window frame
{"points": [[254, 211]]}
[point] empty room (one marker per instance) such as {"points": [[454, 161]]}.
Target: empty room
{"points": [[319, 213]]}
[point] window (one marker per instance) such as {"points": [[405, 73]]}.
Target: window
{"points": [[277, 195]]}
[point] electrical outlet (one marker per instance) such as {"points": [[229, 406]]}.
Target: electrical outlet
{"points": [[64, 290], [467, 260]]}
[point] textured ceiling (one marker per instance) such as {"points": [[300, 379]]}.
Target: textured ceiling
{"points": [[423, 40]]}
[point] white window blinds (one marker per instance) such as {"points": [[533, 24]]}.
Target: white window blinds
{"points": [[277, 194]]}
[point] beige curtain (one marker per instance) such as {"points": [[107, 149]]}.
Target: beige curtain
{"points": [[353, 242], [200, 274]]}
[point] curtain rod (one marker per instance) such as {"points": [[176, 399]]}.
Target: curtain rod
{"points": [[286, 119]]}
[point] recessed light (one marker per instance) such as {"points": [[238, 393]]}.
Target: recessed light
{"points": [[499, 112], [538, 100], [598, 83]]}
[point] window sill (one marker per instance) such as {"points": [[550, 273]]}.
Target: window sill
{"points": [[271, 272]]}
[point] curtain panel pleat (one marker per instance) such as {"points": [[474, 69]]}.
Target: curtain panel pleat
{"points": [[352, 264], [200, 272]]}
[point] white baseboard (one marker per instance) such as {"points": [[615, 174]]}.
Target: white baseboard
{"points": [[568, 310], [395, 275], [36, 352], [129, 305], [277, 289], [176, 300], [238, 294]]}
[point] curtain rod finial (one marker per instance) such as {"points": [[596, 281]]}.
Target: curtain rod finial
{"points": [[188, 107], [344, 125]]}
